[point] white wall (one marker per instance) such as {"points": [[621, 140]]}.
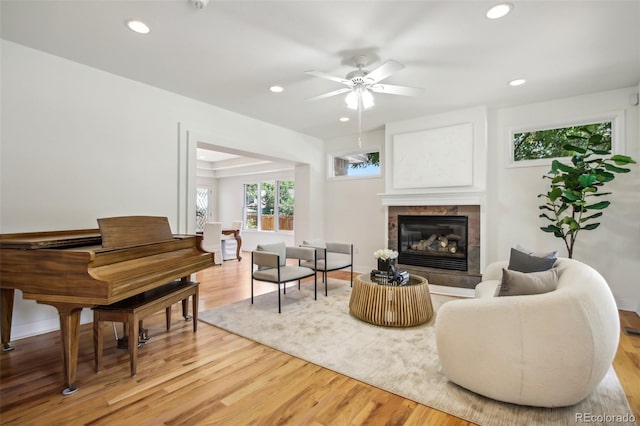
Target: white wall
{"points": [[353, 212], [613, 248], [79, 144]]}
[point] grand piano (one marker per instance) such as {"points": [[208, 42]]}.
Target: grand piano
{"points": [[72, 270]]}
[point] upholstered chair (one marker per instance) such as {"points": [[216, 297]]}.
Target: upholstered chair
{"points": [[331, 256], [543, 350], [211, 238], [271, 263]]}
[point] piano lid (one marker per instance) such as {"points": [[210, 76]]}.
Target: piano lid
{"points": [[51, 239], [114, 232]]}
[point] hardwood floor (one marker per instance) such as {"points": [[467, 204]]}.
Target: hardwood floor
{"points": [[214, 377]]}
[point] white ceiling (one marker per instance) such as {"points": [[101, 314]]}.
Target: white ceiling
{"points": [[229, 53], [209, 155]]}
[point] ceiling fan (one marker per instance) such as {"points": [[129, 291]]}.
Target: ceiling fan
{"points": [[361, 83]]}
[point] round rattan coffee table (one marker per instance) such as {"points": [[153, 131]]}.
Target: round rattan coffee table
{"points": [[393, 306]]}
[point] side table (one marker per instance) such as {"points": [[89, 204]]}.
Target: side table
{"points": [[393, 306]]}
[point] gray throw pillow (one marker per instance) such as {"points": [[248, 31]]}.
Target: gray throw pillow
{"points": [[279, 248], [522, 262], [550, 254], [516, 283]]}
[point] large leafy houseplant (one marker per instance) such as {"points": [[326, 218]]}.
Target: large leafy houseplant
{"points": [[574, 200]]}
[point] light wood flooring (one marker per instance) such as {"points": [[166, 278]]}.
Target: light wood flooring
{"points": [[215, 377]]}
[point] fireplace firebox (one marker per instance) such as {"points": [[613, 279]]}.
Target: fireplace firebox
{"points": [[433, 241]]}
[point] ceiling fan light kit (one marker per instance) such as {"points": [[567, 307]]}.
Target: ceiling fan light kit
{"points": [[360, 97], [361, 83], [352, 100]]}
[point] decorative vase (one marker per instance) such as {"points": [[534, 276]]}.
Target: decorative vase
{"points": [[385, 264]]}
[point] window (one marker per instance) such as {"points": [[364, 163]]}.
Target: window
{"points": [[549, 143], [286, 194], [202, 207], [251, 206], [539, 146], [357, 164], [265, 211]]}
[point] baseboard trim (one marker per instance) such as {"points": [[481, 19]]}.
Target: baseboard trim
{"points": [[46, 325]]}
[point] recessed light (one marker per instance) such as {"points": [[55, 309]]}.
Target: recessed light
{"points": [[499, 10], [344, 119], [276, 89], [138, 26], [517, 82]]}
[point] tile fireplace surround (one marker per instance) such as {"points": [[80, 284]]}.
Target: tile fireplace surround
{"points": [[462, 279]]}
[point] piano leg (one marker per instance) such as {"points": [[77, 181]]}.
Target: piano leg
{"points": [[185, 306], [70, 334], [7, 315]]}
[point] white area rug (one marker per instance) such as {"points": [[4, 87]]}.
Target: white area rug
{"points": [[403, 361]]}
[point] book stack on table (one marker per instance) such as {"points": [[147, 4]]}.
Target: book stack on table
{"points": [[396, 278]]}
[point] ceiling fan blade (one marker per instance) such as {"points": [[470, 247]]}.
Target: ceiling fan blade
{"points": [[392, 89], [328, 95], [330, 77], [384, 71]]}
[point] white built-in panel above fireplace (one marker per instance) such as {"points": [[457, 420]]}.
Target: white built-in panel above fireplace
{"points": [[436, 157]]}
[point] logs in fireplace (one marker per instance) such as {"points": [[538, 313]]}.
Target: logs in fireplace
{"points": [[433, 241]]}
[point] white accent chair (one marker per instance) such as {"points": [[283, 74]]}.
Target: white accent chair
{"points": [[211, 240], [331, 256], [229, 243], [543, 350], [271, 262]]}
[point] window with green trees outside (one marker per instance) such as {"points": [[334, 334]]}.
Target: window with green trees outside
{"points": [[268, 206], [539, 144]]}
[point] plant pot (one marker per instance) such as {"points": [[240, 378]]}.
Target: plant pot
{"points": [[385, 264]]}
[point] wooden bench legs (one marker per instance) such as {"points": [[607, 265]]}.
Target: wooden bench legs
{"points": [[131, 312]]}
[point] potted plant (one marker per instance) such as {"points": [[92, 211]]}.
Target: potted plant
{"points": [[574, 200], [385, 258]]}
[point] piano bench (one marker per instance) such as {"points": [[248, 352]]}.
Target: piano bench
{"points": [[132, 310]]}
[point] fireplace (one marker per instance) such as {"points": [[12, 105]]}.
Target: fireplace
{"points": [[460, 222], [433, 241]]}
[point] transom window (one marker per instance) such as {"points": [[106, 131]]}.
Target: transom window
{"points": [[357, 164], [550, 143], [540, 145]]}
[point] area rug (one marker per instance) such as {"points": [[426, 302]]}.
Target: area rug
{"points": [[403, 361]]}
